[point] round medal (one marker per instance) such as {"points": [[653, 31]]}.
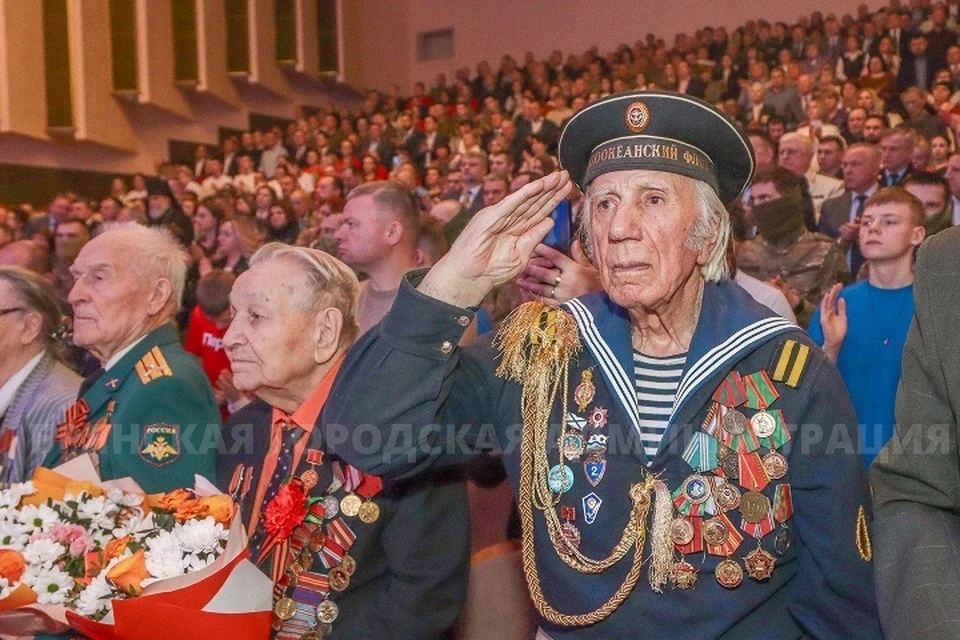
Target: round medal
{"points": [[311, 634], [327, 611], [763, 424], [754, 506], [731, 466], [331, 507], [339, 580], [285, 608], [317, 540], [775, 465], [323, 629], [348, 564], [681, 531], [715, 533], [760, 564], [729, 574], [781, 543], [684, 575], [369, 512], [309, 478], [695, 489], [734, 422], [727, 496], [350, 505], [571, 533], [560, 478]]}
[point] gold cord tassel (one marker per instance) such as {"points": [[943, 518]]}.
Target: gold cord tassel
{"points": [[864, 545], [661, 547]]}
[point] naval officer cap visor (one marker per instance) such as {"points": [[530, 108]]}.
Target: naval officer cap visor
{"points": [[659, 131]]}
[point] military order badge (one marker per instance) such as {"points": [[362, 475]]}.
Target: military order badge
{"points": [[637, 116], [160, 444]]}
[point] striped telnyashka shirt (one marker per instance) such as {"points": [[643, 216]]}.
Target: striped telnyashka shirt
{"points": [[656, 380]]}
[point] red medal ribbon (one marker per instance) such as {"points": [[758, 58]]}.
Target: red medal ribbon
{"points": [[752, 474], [69, 432], [568, 513], [759, 529], [332, 553], [352, 478], [314, 456], [731, 544], [695, 545], [713, 423], [731, 392], [370, 486], [341, 532], [314, 582], [782, 503]]}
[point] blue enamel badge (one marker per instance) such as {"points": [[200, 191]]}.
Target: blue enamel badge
{"points": [[591, 507]]}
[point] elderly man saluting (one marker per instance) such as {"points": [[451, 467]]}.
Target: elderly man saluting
{"points": [[357, 557], [686, 465], [149, 411]]}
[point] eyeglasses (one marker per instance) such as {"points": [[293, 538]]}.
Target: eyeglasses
{"points": [[4, 312]]}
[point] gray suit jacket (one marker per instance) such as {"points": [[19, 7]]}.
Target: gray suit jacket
{"points": [[916, 478], [38, 407], [833, 213]]}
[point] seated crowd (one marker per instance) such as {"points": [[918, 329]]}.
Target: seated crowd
{"points": [[854, 123]]}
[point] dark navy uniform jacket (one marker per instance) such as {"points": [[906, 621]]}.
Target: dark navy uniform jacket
{"points": [[403, 374], [412, 562]]}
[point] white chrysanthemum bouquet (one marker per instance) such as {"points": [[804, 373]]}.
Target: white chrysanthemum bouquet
{"points": [[92, 555]]}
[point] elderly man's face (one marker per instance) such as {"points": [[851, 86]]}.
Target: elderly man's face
{"points": [[270, 339], [112, 303], [640, 223]]}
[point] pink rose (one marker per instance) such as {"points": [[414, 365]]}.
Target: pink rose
{"points": [[81, 546], [68, 533]]}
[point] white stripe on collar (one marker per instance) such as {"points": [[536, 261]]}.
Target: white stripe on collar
{"points": [[701, 370], [620, 383]]}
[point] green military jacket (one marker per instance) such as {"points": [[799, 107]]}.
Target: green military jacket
{"points": [[151, 416]]}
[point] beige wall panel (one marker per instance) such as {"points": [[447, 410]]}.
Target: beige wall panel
{"points": [[212, 52], [308, 57], [377, 43], [23, 95], [155, 57], [264, 70]]}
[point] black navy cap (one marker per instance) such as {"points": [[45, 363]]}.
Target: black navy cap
{"points": [[661, 131]]}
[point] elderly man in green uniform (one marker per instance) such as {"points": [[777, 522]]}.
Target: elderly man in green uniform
{"points": [[148, 412]]}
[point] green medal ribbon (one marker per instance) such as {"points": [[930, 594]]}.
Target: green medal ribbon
{"points": [[702, 452], [760, 390]]}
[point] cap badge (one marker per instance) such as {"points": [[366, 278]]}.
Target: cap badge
{"points": [[637, 116]]}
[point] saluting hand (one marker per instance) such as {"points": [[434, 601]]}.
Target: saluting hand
{"points": [[833, 321], [496, 244]]}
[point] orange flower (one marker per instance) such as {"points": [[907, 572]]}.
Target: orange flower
{"points": [[115, 547], [12, 565], [190, 509], [172, 499], [220, 507], [129, 573]]}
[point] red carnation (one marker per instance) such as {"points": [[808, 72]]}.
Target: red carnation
{"points": [[286, 511]]}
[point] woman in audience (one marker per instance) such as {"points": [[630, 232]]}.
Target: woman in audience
{"points": [[878, 78], [282, 224], [265, 197], [371, 169], [206, 227], [237, 240], [940, 151]]}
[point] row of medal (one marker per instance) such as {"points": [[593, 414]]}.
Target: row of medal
{"points": [[576, 442], [303, 609], [725, 454]]}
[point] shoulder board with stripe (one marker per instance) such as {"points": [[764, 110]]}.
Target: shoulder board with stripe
{"points": [[152, 366], [790, 363]]}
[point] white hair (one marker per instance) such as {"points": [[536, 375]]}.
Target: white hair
{"points": [[331, 282], [155, 252], [712, 223]]}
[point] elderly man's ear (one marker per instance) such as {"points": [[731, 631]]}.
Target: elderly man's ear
{"points": [[159, 296], [326, 334]]}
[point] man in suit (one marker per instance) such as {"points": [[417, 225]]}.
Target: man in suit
{"points": [[432, 140], [473, 167], [230, 158], [374, 559], [297, 149], [379, 145], [840, 216], [795, 154], [896, 148], [199, 164], [917, 67], [35, 387], [757, 113], [531, 121], [688, 83], [149, 411], [917, 495]]}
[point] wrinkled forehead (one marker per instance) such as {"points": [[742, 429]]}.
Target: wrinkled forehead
{"points": [[624, 182], [111, 251]]}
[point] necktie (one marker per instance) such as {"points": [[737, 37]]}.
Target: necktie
{"points": [[289, 436], [465, 199], [88, 382]]}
